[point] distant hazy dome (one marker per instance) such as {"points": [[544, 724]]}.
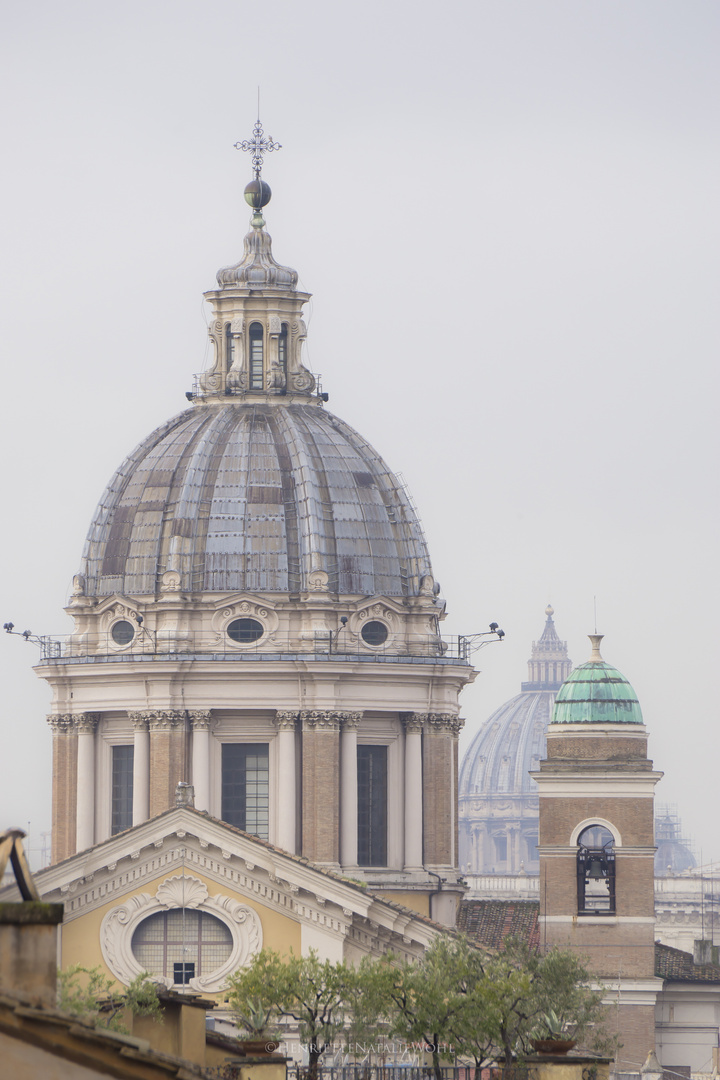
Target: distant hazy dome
{"points": [[255, 497], [596, 693], [512, 739]]}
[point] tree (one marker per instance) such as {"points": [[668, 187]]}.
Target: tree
{"points": [[94, 998], [317, 994]]}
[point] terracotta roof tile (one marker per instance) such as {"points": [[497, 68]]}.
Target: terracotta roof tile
{"points": [[490, 922], [676, 966]]}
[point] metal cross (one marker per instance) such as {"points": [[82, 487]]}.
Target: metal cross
{"points": [[259, 146]]}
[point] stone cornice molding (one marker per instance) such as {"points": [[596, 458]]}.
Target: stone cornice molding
{"points": [[61, 723], [85, 723], [200, 719], [165, 719], [320, 719], [285, 720], [174, 893]]}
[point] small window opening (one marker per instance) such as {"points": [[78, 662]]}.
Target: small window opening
{"points": [[183, 973], [283, 354], [229, 347], [123, 632], [596, 871], [256, 356], [245, 631]]}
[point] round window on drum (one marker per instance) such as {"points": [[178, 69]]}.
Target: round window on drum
{"points": [[374, 633], [245, 631], [122, 632]]}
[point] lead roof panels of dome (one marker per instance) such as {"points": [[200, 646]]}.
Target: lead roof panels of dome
{"points": [[252, 497], [509, 744]]}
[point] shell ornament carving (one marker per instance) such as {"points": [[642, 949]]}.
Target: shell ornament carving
{"points": [[180, 891]]}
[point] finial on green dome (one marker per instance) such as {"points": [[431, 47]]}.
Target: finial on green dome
{"points": [[595, 640]]}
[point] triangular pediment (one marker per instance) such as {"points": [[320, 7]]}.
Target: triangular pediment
{"points": [[185, 843]]}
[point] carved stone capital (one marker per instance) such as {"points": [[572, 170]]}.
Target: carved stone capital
{"points": [[320, 719], [140, 720], [61, 723], [165, 719], [285, 720], [86, 722], [350, 721], [414, 722], [444, 723], [200, 719]]}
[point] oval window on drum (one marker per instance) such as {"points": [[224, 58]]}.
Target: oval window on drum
{"points": [[245, 631]]}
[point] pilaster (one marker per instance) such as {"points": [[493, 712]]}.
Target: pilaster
{"points": [[286, 828], [440, 788], [64, 786], [85, 725], [167, 757], [350, 723], [321, 785], [413, 724], [200, 725]]}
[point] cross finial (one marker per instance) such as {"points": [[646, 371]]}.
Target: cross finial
{"points": [[259, 146]]}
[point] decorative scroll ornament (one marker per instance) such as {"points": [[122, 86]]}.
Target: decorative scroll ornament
{"points": [[120, 923]]}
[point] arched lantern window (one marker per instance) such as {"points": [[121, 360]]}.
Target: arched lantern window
{"points": [[596, 871]]}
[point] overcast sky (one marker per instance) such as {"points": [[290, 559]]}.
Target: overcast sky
{"points": [[508, 215]]}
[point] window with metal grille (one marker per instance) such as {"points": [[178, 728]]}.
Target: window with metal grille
{"points": [[181, 944], [372, 805], [256, 356], [246, 787], [122, 789]]}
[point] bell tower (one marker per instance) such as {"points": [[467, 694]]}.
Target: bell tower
{"points": [[597, 845]]}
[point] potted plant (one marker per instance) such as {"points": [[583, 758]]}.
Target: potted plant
{"points": [[551, 1035], [254, 1018]]}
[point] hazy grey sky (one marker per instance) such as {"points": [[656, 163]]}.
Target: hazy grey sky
{"points": [[508, 215]]}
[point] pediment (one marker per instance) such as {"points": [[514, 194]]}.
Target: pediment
{"points": [[186, 842]]}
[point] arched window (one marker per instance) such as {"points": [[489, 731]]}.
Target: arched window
{"points": [[283, 353], [256, 356], [596, 871]]}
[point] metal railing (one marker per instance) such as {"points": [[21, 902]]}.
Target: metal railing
{"points": [[147, 643]]}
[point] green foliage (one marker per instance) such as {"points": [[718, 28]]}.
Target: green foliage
{"points": [[93, 998], [317, 994]]}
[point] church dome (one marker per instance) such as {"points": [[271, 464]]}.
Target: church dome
{"points": [[596, 693], [498, 797], [255, 497]]}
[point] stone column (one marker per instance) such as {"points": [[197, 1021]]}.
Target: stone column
{"points": [[286, 827], [321, 786], [349, 790], [167, 757], [141, 767], [64, 786], [441, 732], [85, 724], [200, 722], [413, 723]]}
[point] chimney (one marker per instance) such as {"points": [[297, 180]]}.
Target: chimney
{"points": [[28, 930], [704, 952]]}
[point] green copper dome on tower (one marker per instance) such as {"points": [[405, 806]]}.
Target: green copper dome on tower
{"points": [[596, 693]]}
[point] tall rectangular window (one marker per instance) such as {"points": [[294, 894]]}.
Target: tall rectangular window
{"points": [[122, 788], [246, 787], [256, 356], [372, 805]]}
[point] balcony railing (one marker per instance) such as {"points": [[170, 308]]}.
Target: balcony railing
{"points": [[148, 644]]}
